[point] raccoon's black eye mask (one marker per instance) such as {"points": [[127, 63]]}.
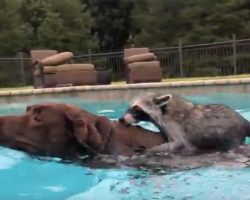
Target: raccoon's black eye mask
{"points": [[139, 114]]}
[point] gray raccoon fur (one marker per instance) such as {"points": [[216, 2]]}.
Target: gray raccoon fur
{"points": [[187, 126]]}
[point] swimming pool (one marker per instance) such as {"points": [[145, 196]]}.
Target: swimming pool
{"points": [[25, 178]]}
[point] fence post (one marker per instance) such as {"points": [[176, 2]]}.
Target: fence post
{"points": [[20, 55], [90, 57], [180, 58], [234, 54]]}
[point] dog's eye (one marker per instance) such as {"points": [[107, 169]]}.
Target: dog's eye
{"points": [[37, 118], [37, 114]]}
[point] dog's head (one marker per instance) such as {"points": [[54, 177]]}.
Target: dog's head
{"points": [[147, 108], [59, 121]]}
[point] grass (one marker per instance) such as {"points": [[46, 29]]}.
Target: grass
{"points": [[206, 78], [16, 88], [197, 78], [164, 80]]}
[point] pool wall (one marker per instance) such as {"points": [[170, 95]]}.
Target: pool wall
{"points": [[125, 92]]}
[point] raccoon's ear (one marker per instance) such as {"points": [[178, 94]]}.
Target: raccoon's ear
{"points": [[162, 100]]}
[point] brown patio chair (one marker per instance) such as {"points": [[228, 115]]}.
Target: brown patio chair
{"points": [[52, 69], [39, 55], [141, 66]]}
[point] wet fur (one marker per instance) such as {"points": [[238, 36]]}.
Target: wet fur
{"points": [[68, 131], [188, 126]]}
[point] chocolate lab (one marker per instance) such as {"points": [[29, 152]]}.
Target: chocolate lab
{"points": [[67, 131]]}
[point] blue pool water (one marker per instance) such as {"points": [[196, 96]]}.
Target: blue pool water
{"points": [[25, 178]]}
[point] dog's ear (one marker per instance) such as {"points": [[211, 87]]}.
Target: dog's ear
{"points": [[95, 134], [87, 132], [28, 108], [162, 100], [94, 139], [76, 125], [36, 107], [79, 128], [99, 134], [105, 128]]}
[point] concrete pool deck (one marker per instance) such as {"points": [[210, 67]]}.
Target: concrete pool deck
{"points": [[123, 92]]}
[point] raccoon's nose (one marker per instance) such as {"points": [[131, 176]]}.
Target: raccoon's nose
{"points": [[123, 121]]}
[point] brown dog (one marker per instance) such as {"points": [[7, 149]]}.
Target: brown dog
{"points": [[67, 131]]}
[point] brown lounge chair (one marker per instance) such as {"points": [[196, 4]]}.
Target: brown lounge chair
{"points": [[141, 66], [53, 69]]}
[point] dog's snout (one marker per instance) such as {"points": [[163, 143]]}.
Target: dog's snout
{"points": [[121, 119]]}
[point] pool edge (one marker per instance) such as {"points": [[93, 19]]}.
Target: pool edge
{"points": [[128, 91]]}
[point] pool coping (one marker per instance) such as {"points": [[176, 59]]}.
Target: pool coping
{"points": [[174, 84]]}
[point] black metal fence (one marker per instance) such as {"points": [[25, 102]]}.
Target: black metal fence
{"points": [[113, 60], [213, 59], [15, 72]]}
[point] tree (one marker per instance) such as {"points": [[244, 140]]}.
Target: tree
{"points": [[159, 23], [12, 30], [61, 25], [216, 22], [67, 27], [112, 22], [33, 12]]}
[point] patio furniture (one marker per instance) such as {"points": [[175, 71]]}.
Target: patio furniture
{"points": [[52, 69], [104, 75], [141, 66], [39, 55]]}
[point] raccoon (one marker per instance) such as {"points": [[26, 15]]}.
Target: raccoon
{"points": [[188, 126]]}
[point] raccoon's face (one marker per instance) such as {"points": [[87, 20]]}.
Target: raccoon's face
{"points": [[133, 115], [149, 108]]}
